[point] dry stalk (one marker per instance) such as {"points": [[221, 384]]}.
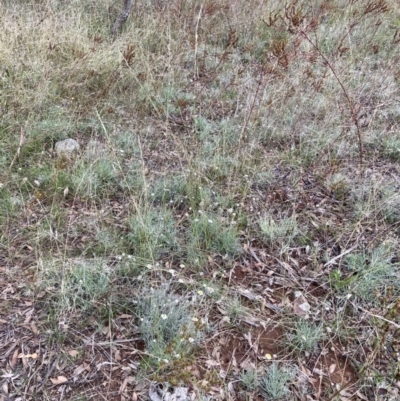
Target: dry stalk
{"points": [[196, 73], [350, 102]]}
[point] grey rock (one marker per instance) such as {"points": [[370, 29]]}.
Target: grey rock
{"points": [[67, 147]]}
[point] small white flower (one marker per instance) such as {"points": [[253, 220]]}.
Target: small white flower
{"points": [[180, 281], [165, 360], [210, 221], [195, 319], [200, 292], [164, 316], [210, 290], [149, 266], [182, 266], [191, 340], [171, 271]]}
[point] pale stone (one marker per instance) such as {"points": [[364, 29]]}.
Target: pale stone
{"points": [[67, 147]]}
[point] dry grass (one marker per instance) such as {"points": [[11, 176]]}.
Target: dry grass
{"points": [[232, 213]]}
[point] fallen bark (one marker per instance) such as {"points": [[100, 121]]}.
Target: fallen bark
{"points": [[122, 17]]}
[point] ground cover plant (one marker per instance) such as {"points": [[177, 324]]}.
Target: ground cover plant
{"points": [[228, 228]]}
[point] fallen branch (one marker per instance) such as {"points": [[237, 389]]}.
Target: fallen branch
{"points": [[122, 17], [391, 322], [333, 260]]}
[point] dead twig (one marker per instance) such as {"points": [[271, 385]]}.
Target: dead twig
{"points": [[353, 109]]}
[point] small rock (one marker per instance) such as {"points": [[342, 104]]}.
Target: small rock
{"points": [[300, 305], [67, 147]]}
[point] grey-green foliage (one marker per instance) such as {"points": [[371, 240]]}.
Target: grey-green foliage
{"points": [[127, 150], [86, 283], [93, 178], [274, 384], [9, 203], [391, 148], [219, 167], [182, 191], [176, 191], [107, 241], [151, 233], [235, 309], [263, 179], [210, 234], [374, 273], [249, 379], [282, 231], [306, 335], [217, 139], [166, 323], [391, 205], [126, 143]]}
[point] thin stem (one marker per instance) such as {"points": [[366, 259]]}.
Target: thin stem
{"points": [[353, 111]]}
